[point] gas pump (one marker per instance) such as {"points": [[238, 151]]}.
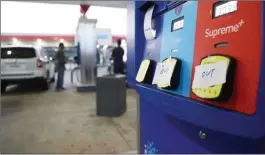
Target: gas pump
{"points": [[215, 53], [86, 52]]}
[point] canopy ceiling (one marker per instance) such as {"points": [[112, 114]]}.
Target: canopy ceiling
{"points": [[116, 4]]}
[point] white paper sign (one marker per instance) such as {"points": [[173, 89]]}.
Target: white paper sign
{"points": [[156, 75], [210, 74], [163, 73], [149, 33]]}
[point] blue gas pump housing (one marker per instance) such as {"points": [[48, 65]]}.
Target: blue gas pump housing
{"points": [[172, 121]]}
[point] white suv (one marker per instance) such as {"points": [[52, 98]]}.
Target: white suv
{"points": [[24, 65]]}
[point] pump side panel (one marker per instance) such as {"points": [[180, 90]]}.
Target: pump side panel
{"points": [[164, 134], [180, 43], [243, 32]]}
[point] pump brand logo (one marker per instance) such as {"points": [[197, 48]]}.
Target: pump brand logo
{"points": [[149, 148], [224, 30], [178, 9]]}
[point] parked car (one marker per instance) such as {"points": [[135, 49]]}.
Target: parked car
{"points": [[24, 65]]}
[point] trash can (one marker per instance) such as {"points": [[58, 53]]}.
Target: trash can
{"points": [[111, 95]]}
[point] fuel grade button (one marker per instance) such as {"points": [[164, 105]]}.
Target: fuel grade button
{"points": [[214, 78]]}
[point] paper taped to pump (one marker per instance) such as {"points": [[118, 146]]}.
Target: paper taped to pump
{"points": [[163, 73], [210, 74]]}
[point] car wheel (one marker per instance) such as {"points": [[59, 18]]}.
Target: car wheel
{"points": [[46, 82], [3, 87]]}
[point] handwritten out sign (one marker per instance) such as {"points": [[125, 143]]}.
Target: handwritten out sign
{"points": [[210, 74], [163, 73]]}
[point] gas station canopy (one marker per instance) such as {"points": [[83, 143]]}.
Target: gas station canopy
{"points": [[115, 4]]}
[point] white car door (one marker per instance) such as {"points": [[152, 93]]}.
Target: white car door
{"points": [[50, 64]]}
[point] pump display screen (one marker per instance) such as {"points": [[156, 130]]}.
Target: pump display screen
{"points": [[223, 8], [177, 24]]}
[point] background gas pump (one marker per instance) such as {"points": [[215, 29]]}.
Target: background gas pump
{"points": [[219, 104], [86, 52]]}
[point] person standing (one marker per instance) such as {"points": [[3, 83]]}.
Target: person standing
{"points": [[60, 66], [117, 56], [98, 56]]}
